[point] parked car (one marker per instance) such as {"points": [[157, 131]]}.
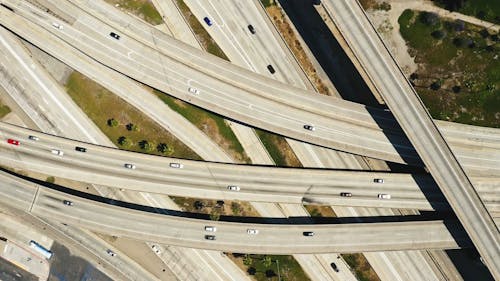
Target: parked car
{"points": [[207, 21], [251, 28], [12, 141], [114, 35], [384, 196]]}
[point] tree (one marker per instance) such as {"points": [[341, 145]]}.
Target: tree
{"points": [[214, 215], [481, 15], [456, 89], [436, 85], [439, 34], [162, 148], [236, 208], [247, 260], [145, 145], [459, 25], [270, 273], [414, 76], [124, 141], [484, 33], [198, 205], [267, 261], [251, 271], [112, 122], [132, 127], [429, 18], [459, 42]]}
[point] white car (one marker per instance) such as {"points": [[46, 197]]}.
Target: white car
{"points": [[210, 228], [194, 91], [111, 253], [384, 196], [156, 249], [57, 25], [176, 165], [252, 231], [129, 166], [35, 138], [233, 187], [57, 152]]}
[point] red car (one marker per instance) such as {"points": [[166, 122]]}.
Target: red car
{"points": [[14, 142]]}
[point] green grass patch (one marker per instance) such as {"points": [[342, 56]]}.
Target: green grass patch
{"points": [[265, 267], [141, 8], [465, 63], [4, 110], [361, 267], [279, 149], [101, 105], [210, 123], [201, 34], [50, 179], [489, 8]]}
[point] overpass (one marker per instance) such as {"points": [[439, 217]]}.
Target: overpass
{"points": [[413, 117], [346, 125]]}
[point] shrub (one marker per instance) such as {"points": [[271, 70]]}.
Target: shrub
{"points": [[459, 25], [459, 42], [145, 145], [50, 179], [439, 34], [112, 122], [429, 18], [436, 85], [270, 273], [456, 89], [251, 271], [414, 76], [132, 127], [124, 141]]}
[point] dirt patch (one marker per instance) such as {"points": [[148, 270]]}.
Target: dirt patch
{"points": [[320, 211]]}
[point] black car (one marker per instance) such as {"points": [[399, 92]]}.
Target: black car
{"points": [[334, 266], [251, 28], [81, 149], [308, 233], [67, 203], [114, 35], [271, 69], [210, 237]]}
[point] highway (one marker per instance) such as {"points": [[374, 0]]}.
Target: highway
{"points": [[230, 236], [153, 174], [341, 110], [419, 127]]}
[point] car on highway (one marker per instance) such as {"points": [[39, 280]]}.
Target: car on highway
{"points": [[378, 180], [156, 249], [210, 228], [176, 165], [35, 138], [81, 149], [253, 231], [271, 69], [207, 21], [309, 127], [251, 28], [57, 25], [210, 237], [129, 166], [346, 194], [308, 233], [334, 267], [57, 152], [111, 253], [384, 196], [193, 91], [67, 203], [233, 187], [12, 141], [114, 35]]}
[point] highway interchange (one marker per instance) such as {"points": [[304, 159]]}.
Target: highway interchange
{"points": [[478, 165]]}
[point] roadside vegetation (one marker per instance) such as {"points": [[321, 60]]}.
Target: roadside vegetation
{"points": [[215, 208], [279, 149], [211, 124], [458, 76], [144, 9], [375, 5], [361, 267], [201, 34], [124, 125], [488, 10], [4, 110], [265, 267], [320, 211]]}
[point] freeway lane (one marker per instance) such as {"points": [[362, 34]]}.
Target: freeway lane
{"points": [[419, 127], [364, 134], [232, 237], [103, 165]]}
